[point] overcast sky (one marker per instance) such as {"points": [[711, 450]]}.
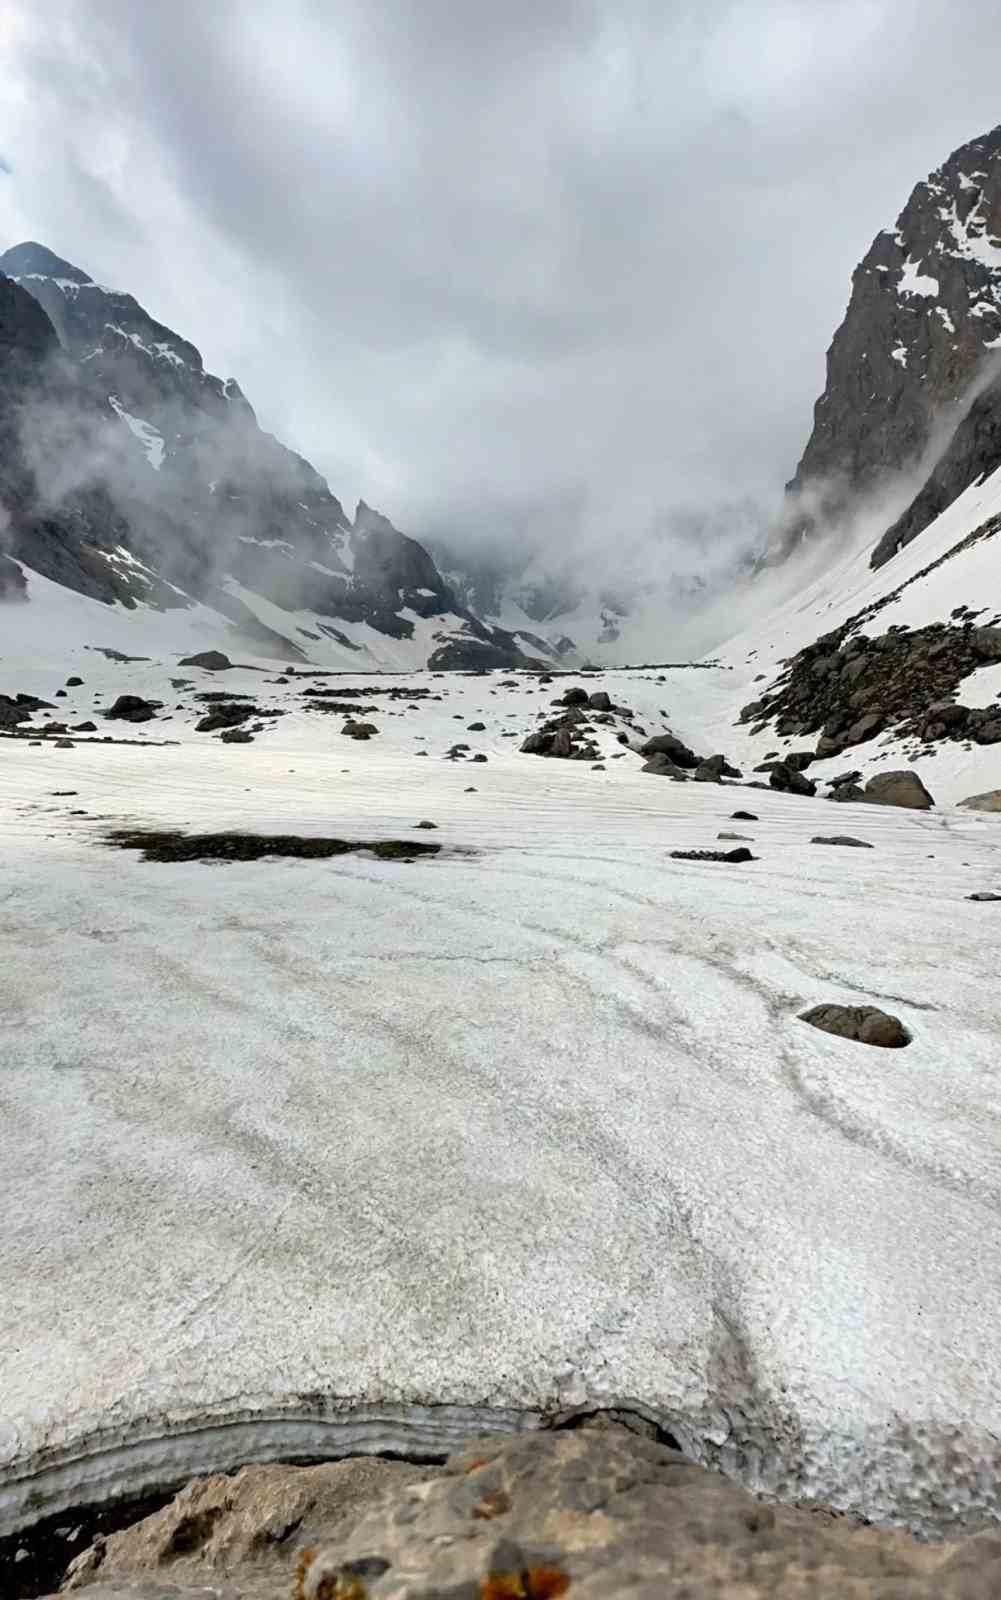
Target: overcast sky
{"points": [[489, 260]]}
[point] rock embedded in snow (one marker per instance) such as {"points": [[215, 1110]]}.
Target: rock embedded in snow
{"points": [[668, 744], [737, 855], [133, 708], [209, 660], [862, 1024], [662, 766], [789, 781], [714, 769], [990, 800], [841, 838], [898, 788], [984, 894]]}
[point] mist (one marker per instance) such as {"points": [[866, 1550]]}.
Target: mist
{"points": [[549, 283]]}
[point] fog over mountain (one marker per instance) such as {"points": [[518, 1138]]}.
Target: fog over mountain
{"points": [[555, 276]]}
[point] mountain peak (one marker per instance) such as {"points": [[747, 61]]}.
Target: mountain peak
{"points": [[31, 259]]}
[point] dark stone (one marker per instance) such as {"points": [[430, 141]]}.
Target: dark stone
{"points": [[863, 1024], [788, 781], [476, 727], [840, 838], [574, 697], [209, 660], [743, 816], [669, 744], [599, 701], [898, 788], [132, 708], [740, 854], [236, 736]]}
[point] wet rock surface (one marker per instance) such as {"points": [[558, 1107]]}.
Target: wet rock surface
{"points": [[594, 1511]]}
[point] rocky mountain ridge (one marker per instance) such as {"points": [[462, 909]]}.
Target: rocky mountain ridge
{"points": [[911, 387], [133, 476]]}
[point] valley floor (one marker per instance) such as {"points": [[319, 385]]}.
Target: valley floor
{"points": [[298, 1156]]}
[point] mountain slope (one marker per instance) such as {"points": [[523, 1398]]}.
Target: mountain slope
{"points": [[915, 347], [134, 476]]}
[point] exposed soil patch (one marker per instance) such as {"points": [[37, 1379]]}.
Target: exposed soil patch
{"points": [[176, 846]]}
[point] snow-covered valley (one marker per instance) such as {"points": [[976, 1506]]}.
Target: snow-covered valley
{"points": [[309, 1156]]}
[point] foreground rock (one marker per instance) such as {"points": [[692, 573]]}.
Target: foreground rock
{"points": [[863, 1024], [592, 1513]]}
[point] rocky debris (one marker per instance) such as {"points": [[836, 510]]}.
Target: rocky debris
{"points": [[714, 769], [740, 854], [668, 744], [851, 687], [133, 708], [840, 838], [176, 846], [208, 660], [898, 788], [228, 714], [588, 1512], [983, 894], [863, 1024], [787, 780], [990, 800]]}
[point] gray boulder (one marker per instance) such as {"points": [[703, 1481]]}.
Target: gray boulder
{"points": [[714, 769], [990, 800], [668, 744], [898, 788]]}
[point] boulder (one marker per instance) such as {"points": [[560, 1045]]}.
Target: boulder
{"points": [[236, 736], [663, 767], [862, 1024], [210, 660], [600, 701], [898, 788], [537, 744], [132, 708], [788, 781], [740, 854], [668, 744], [574, 697], [841, 838], [990, 800], [714, 769], [847, 791]]}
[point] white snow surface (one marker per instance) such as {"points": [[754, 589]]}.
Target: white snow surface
{"points": [[914, 281], [149, 437], [306, 1157]]}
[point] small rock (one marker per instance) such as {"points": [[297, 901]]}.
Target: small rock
{"points": [[983, 894], [425, 824], [65, 744], [74, 683], [476, 727], [210, 660], [740, 854], [236, 736], [733, 836], [840, 838], [479, 758], [862, 1024], [743, 816]]}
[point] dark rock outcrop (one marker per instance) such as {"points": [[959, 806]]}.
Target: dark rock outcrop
{"points": [[924, 315]]}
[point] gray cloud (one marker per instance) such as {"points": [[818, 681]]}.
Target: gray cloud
{"points": [[483, 263]]}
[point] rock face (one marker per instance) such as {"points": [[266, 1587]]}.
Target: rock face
{"points": [[590, 1513], [133, 475], [925, 310]]}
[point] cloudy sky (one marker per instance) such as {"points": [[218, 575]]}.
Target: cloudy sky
{"points": [[495, 264]]}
